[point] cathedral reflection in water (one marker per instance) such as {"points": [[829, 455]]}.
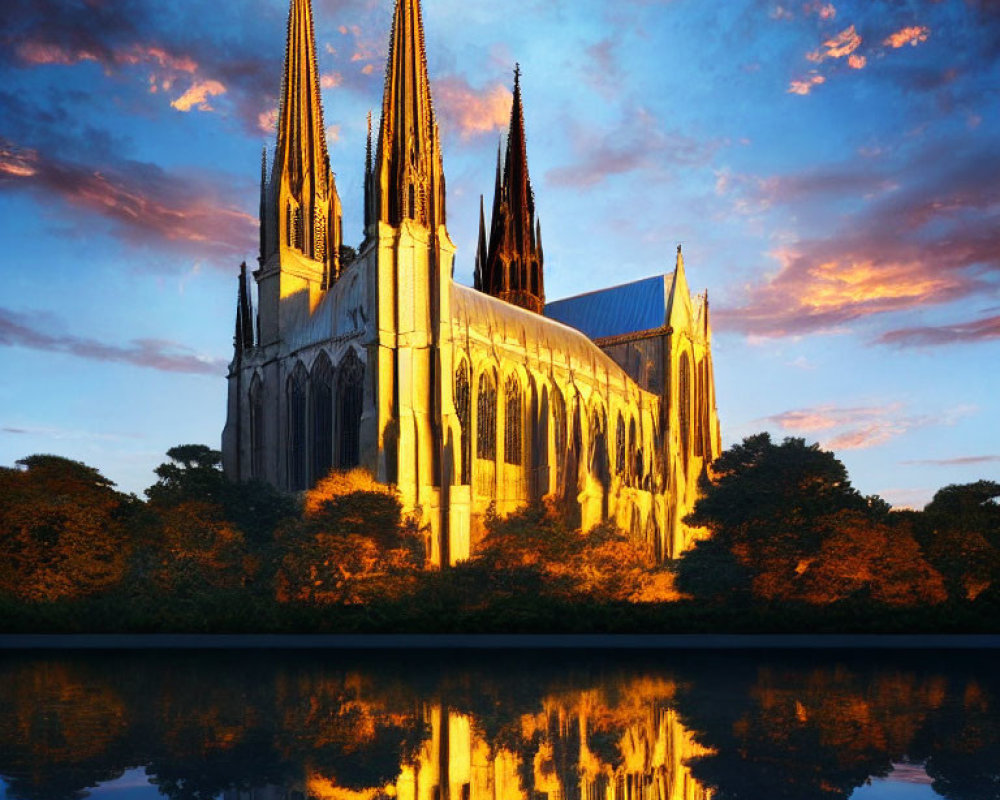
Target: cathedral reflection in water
{"points": [[646, 759]]}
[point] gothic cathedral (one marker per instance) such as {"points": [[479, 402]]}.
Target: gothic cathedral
{"points": [[468, 400]]}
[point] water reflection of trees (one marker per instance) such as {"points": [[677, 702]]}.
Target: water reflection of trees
{"points": [[509, 727]]}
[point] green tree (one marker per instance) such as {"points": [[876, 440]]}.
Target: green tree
{"points": [[62, 530]]}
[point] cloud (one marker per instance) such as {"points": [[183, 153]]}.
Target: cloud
{"points": [[146, 204], [827, 417], [20, 330], [862, 427], [821, 10], [330, 80], [857, 62], [979, 330], [468, 111], [840, 46], [805, 85], [961, 461], [197, 95], [922, 233], [912, 36], [637, 142]]}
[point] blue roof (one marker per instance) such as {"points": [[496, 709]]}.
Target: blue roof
{"points": [[628, 308]]}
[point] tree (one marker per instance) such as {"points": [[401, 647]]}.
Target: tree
{"points": [[352, 531], [62, 530], [786, 520], [959, 531]]}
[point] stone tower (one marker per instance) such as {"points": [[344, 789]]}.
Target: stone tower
{"points": [[510, 266], [407, 239], [300, 212]]}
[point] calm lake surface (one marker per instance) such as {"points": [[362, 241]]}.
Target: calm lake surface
{"points": [[511, 725]]}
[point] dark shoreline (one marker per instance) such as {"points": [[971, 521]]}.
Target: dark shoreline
{"points": [[16, 642]]}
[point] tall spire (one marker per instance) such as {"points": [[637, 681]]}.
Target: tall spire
{"points": [[481, 251], [302, 193], [514, 266], [244, 339], [409, 175]]}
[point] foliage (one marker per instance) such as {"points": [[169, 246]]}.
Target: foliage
{"points": [[63, 530], [352, 530], [960, 533], [538, 542], [787, 525]]}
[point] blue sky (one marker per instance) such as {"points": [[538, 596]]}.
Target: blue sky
{"points": [[830, 168]]}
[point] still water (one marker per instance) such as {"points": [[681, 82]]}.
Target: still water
{"points": [[499, 726]]}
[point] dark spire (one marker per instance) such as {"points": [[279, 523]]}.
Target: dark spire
{"points": [[481, 251], [410, 178], [513, 270], [370, 211], [302, 191], [263, 207], [244, 339]]}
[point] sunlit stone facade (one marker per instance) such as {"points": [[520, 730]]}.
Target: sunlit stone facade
{"points": [[467, 399]]}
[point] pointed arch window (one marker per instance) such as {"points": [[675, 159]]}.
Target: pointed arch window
{"points": [[559, 433], [513, 417], [256, 428], [463, 410], [322, 416], [298, 392], [635, 455], [486, 417], [620, 459], [599, 445], [699, 411], [684, 406], [350, 401]]}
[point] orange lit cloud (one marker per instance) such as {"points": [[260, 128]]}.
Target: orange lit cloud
{"points": [[198, 96], [22, 330], [857, 62], [915, 238], [472, 112], [912, 35], [840, 46], [805, 85]]}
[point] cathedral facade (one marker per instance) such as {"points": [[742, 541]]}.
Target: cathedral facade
{"points": [[470, 400]]}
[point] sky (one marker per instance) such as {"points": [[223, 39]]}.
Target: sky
{"points": [[832, 170]]}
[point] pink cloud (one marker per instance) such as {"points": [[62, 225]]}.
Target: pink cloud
{"points": [[961, 461], [980, 330], [637, 142], [860, 428], [145, 203], [912, 35], [20, 330], [805, 85], [821, 10], [471, 112]]}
